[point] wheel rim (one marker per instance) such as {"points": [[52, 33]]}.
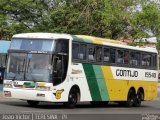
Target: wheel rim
{"points": [[131, 99], [139, 98], [73, 98]]}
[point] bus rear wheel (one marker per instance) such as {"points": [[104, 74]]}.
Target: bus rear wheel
{"points": [[32, 103], [72, 98], [130, 99], [139, 98]]}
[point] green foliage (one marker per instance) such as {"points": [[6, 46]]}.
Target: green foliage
{"points": [[116, 19], [147, 20], [20, 15]]}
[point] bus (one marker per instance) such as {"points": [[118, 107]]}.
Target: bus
{"points": [[63, 68], [4, 46]]}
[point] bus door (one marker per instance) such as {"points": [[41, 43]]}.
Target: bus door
{"points": [[60, 66]]}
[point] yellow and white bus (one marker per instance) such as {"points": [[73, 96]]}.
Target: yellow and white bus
{"points": [[76, 68]]}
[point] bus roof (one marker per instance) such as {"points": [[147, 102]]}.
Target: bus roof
{"points": [[4, 46], [113, 43], [84, 38], [43, 35]]}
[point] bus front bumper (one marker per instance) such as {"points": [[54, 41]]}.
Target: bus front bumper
{"points": [[35, 95]]}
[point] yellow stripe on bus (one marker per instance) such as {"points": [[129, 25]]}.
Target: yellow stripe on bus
{"points": [[118, 89], [97, 40]]}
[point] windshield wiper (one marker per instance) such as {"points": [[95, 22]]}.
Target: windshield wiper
{"points": [[28, 66], [26, 69], [14, 78]]}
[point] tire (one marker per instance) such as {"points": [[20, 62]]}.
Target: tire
{"points": [[72, 98], [32, 103], [139, 98], [130, 99]]}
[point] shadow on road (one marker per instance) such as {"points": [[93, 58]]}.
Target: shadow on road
{"points": [[45, 105]]}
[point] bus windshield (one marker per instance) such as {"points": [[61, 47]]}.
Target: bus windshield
{"points": [[32, 44], [30, 67]]}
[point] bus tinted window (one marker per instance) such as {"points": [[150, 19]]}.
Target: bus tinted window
{"points": [[32, 44], [134, 58], [98, 54], [91, 53], [16, 44], [75, 50], [154, 60], [146, 59], [62, 46], [106, 55], [126, 57], [120, 56], [82, 52], [112, 55]]}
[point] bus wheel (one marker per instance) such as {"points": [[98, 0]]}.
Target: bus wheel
{"points": [[131, 99], [139, 98], [32, 103], [72, 98]]}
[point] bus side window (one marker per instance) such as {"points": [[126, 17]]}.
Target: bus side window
{"points": [[62, 46], [91, 53], [146, 59], [154, 60], [106, 55], [126, 57], [113, 55], [120, 56], [135, 58], [98, 54], [82, 52], [75, 50]]}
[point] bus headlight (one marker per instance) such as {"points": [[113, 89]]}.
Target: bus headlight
{"points": [[8, 85], [7, 93]]}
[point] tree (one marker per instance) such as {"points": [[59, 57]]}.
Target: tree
{"points": [[20, 15], [102, 18], [147, 22], [74, 17]]}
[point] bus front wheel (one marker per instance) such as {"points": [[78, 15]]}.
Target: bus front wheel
{"points": [[72, 98], [32, 103]]}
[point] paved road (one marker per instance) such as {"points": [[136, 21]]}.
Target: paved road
{"points": [[82, 111]]}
